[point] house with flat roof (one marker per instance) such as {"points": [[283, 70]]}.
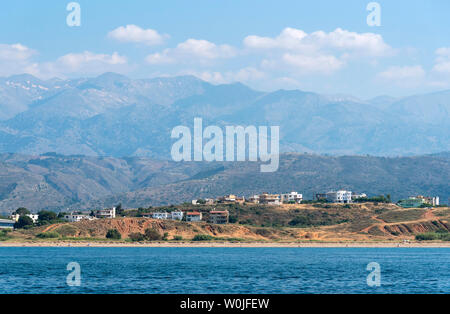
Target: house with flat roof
{"points": [[219, 217], [193, 216], [33, 217], [340, 196], [270, 199], [106, 213], [7, 224], [177, 215], [76, 216], [162, 215], [293, 197]]}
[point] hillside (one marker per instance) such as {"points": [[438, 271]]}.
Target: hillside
{"points": [[112, 115], [319, 222], [58, 182]]}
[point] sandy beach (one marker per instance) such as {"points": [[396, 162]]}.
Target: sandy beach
{"points": [[234, 244]]}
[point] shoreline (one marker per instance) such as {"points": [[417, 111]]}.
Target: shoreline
{"points": [[232, 245]]}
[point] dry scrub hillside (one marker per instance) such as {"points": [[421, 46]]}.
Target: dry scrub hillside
{"points": [[322, 222]]}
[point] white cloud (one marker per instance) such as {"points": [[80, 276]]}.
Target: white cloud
{"points": [[404, 76], [14, 58], [192, 51], [339, 40], [16, 52], [442, 64], [84, 63], [325, 64], [244, 75], [135, 34]]}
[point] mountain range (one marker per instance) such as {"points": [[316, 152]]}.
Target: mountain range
{"points": [[112, 115], [58, 182]]}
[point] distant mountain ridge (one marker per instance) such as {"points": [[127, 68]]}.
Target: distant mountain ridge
{"points": [[58, 182], [113, 115]]}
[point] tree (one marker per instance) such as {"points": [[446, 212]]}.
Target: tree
{"points": [[152, 235], [136, 237], [23, 222], [22, 211], [113, 234], [119, 210], [47, 215]]}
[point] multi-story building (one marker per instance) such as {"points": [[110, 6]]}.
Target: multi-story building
{"points": [[270, 199], [219, 217], [176, 215], [419, 201], [33, 217], [193, 216], [106, 213], [76, 216], [339, 197], [432, 200], [7, 224], [162, 215], [231, 199], [291, 197]]}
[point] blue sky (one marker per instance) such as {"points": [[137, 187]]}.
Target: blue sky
{"points": [[321, 46]]}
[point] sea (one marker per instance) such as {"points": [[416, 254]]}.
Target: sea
{"points": [[93, 270]]}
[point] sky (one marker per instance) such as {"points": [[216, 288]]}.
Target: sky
{"points": [[321, 46]]}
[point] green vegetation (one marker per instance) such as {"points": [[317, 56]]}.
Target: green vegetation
{"points": [[202, 237], [375, 199], [402, 215], [113, 234], [4, 235], [136, 237], [47, 235], [152, 235], [443, 235], [316, 218], [178, 238], [24, 222], [22, 211], [66, 231]]}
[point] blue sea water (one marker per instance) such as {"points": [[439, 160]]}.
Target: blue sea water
{"points": [[224, 270]]}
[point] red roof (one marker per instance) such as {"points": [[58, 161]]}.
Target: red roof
{"points": [[193, 213]]}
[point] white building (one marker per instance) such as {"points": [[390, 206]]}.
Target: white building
{"points": [[7, 224], [355, 196], [106, 213], [75, 217], [339, 196], [177, 215], [33, 217], [435, 201], [292, 197], [160, 215]]}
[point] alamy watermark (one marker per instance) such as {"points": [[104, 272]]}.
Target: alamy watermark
{"points": [[249, 143], [73, 279], [374, 17], [74, 17], [374, 277]]}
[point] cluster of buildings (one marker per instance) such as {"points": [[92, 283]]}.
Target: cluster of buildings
{"points": [[340, 196], [214, 216], [98, 214], [419, 201], [264, 198]]}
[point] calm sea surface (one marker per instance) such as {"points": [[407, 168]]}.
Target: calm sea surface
{"points": [[224, 270]]}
